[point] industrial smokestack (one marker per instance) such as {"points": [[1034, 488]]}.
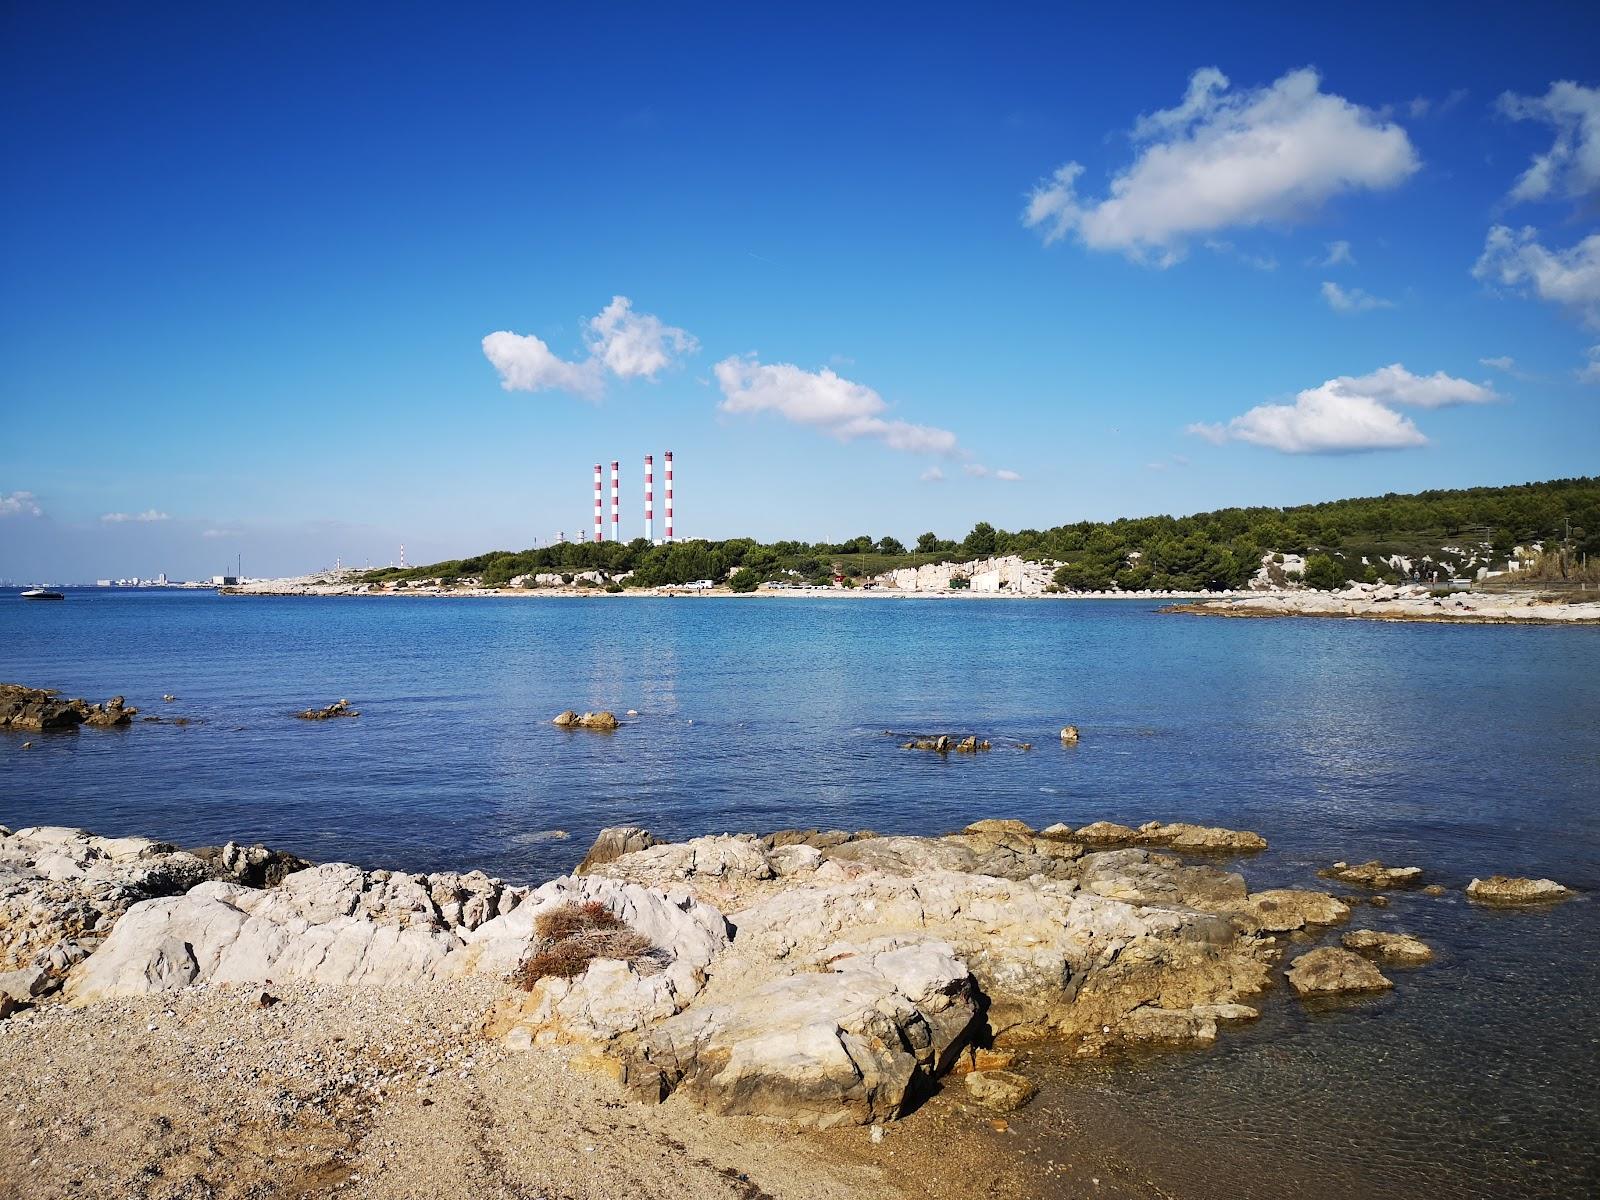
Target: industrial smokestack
{"points": [[616, 510], [649, 497], [599, 530], [669, 495]]}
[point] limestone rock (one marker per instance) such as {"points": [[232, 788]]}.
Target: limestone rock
{"points": [[1107, 833], [1175, 1026], [1373, 875], [613, 842], [1283, 910], [61, 890], [253, 866], [42, 711], [604, 720], [611, 997], [1510, 890], [1002, 1091], [1213, 839], [1069, 735], [1396, 949], [1329, 971], [332, 923], [22, 986], [847, 1045]]}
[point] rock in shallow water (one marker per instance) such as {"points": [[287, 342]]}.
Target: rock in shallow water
{"points": [[1329, 971], [1508, 889], [1397, 949], [1002, 1091], [1373, 875]]}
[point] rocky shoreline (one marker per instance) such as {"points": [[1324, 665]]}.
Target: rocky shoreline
{"points": [[1383, 602], [815, 979]]}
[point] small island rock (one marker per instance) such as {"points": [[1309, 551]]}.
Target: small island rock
{"points": [[1510, 889]]}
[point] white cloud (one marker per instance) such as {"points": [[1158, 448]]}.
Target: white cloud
{"points": [[147, 516], [979, 471], [1338, 255], [1351, 300], [1571, 167], [220, 533], [823, 400], [20, 504], [527, 364], [1590, 372], [1222, 159], [1503, 362], [621, 343], [635, 345], [1570, 278], [1348, 414], [1427, 106], [932, 475]]}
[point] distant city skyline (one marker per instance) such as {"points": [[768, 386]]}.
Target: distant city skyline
{"points": [[306, 286]]}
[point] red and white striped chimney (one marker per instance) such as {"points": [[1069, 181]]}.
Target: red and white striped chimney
{"points": [[649, 497], [669, 495], [599, 529], [616, 509]]}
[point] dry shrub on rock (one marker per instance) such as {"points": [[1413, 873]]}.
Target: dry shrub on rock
{"points": [[571, 936]]}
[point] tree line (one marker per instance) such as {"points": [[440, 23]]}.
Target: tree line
{"points": [[1203, 551]]}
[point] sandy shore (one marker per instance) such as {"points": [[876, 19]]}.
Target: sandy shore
{"points": [[393, 1093]]}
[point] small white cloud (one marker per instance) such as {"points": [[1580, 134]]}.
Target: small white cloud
{"points": [[1570, 278], [1427, 106], [1351, 300], [1590, 371], [1338, 255], [1348, 414], [977, 470], [19, 504], [1006, 476], [1261, 262], [1503, 362], [148, 515], [932, 475], [1224, 159], [823, 400], [621, 343], [635, 345], [1571, 167]]}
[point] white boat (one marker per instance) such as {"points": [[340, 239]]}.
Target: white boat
{"points": [[42, 594]]}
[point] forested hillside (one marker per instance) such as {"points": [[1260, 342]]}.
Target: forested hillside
{"points": [[1456, 529]]}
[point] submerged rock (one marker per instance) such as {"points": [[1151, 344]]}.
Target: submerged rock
{"points": [[1509, 889], [1330, 971], [1373, 875], [339, 708], [1002, 1091], [1396, 949], [1069, 735]]}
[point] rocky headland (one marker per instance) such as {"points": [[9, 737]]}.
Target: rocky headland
{"points": [[817, 979]]}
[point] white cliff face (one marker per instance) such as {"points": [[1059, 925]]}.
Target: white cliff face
{"points": [[1009, 574]]}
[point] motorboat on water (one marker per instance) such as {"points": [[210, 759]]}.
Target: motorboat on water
{"points": [[43, 594]]}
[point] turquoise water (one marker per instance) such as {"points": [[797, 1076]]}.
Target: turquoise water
{"points": [[1463, 749]]}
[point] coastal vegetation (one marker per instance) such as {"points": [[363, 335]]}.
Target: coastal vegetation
{"points": [[1372, 539]]}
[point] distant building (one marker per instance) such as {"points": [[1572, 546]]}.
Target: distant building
{"points": [[225, 580]]}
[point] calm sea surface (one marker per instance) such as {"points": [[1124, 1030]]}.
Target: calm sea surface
{"points": [[1463, 749]]}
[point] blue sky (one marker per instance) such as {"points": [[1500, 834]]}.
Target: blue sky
{"points": [[250, 258]]}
